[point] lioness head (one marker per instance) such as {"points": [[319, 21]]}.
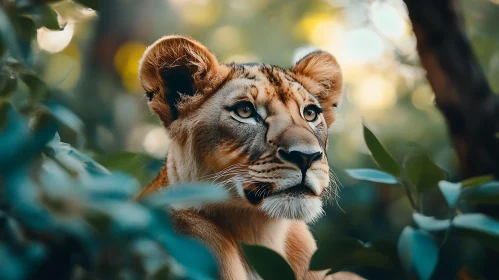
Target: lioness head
{"points": [[259, 129]]}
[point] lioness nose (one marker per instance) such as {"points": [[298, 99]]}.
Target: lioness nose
{"points": [[302, 160]]}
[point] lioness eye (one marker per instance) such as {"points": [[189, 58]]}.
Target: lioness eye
{"points": [[311, 113], [244, 110]]}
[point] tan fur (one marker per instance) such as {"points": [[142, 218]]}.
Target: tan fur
{"points": [[196, 152]]}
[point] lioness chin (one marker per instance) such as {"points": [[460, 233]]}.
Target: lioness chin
{"points": [[261, 131]]}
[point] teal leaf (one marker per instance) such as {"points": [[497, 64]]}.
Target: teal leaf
{"points": [[67, 117], [380, 155], [450, 191], [476, 181], [267, 263], [344, 253], [430, 223], [477, 222], [372, 175], [421, 172], [485, 194], [187, 195], [8, 36], [418, 252]]}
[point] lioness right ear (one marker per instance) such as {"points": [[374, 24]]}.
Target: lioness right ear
{"points": [[173, 70]]}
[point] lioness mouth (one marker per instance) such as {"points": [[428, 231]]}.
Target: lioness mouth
{"points": [[263, 190]]}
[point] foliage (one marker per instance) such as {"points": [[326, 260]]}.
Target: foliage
{"points": [[61, 212]]}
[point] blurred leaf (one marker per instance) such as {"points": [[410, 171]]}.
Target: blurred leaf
{"points": [[421, 172], [430, 223], [163, 273], [344, 253], [49, 18], [140, 166], [99, 220], [38, 89], [25, 27], [8, 36], [10, 230], [484, 194], [196, 259], [67, 117], [418, 252], [372, 175], [92, 4], [187, 195], [4, 111], [267, 263], [384, 160], [451, 191], [477, 222], [3, 46], [476, 181], [8, 84]]}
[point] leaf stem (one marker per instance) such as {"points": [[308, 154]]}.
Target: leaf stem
{"points": [[408, 193]]}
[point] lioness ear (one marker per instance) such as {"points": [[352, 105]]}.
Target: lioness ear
{"points": [[321, 75], [175, 69]]}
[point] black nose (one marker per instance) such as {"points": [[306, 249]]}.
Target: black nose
{"points": [[302, 160]]}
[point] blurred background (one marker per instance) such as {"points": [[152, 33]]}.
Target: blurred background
{"points": [[93, 63]]}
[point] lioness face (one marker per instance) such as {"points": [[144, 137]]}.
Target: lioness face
{"points": [[259, 129]]}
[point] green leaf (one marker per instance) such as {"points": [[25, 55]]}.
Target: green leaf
{"points": [[372, 175], [4, 111], [478, 227], [477, 222], [267, 263], [92, 4], [38, 89], [344, 253], [476, 181], [164, 272], [485, 194], [451, 191], [3, 46], [418, 252], [430, 223], [380, 155], [8, 84], [99, 220], [421, 172], [140, 166], [187, 195], [49, 18]]}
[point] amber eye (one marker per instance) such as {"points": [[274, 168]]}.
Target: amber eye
{"points": [[244, 110], [311, 113]]}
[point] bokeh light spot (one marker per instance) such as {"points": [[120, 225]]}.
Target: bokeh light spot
{"points": [[388, 20], [363, 45], [374, 93], [55, 41], [156, 142], [422, 97], [126, 61]]}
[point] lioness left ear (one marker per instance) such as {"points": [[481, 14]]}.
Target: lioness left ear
{"points": [[321, 75], [174, 71]]}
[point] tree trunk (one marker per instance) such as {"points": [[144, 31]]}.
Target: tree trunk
{"points": [[461, 90]]}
